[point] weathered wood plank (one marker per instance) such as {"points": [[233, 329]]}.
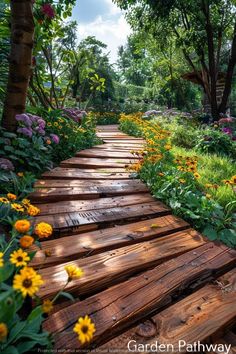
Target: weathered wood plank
{"points": [[106, 269], [82, 205], [199, 317], [66, 221], [95, 162], [75, 173], [124, 185], [117, 308], [81, 192], [74, 247], [98, 153]]}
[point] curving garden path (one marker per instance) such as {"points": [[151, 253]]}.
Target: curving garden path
{"points": [[147, 275]]}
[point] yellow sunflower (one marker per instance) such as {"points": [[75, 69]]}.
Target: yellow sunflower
{"points": [[19, 258], [196, 175], [27, 281], [17, 207], [73, 272], [4, 200], [85, 329]]}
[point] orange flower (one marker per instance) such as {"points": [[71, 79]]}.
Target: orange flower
{"points": [[26, 241], [43, 230], [22, 226], [11, 196], [33, 210]]}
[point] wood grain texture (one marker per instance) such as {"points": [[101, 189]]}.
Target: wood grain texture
{"points": [[87, 244], [117, 308], [75, 173], [67, 221], [81, 205], [59, 190], [96, 153], [106, 269], [201, 316], [96, 162]]}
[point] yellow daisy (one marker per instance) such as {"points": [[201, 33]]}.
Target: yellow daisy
{"points": [[73, 272], [17, 207], [85, 329], [19, 258], [4, 200], [47, 306], [196, 175], [27, 281]]}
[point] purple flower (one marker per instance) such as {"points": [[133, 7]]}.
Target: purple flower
{"points": [[55, 138], [6, 165], [24, 118], [25, 131], [41, 123], [39, 130], [227, 131]]}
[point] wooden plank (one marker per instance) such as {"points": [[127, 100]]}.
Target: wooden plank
{"points": [[102, 154], [66, 221], [199, 317], [57, 193], [117, 308], [106, 269], [124, 142], [75, 173], [74, 247], [95, 162], [82, 205], [125, 185]]}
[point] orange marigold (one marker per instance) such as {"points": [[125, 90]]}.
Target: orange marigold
{"points": [[26, 241], [22, 226], [43, 230]]}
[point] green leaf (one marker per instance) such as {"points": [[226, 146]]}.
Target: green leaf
{"points": [[67, 295], [210, 233], [10, 350], [6, 272]]}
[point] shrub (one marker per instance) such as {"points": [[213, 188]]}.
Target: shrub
{"points": [[213, 141], [184, 136]]}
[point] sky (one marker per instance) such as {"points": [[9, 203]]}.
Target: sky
{"points": [[104, 20]]}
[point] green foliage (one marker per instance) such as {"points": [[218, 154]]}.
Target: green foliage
{"points": [[213, 141], [73, 137], [179, 188], [27, 154], [20, 185]]}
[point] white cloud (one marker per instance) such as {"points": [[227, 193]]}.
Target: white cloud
{"points": [[112, 29]]}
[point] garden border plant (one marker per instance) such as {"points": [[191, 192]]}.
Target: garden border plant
{"points": [[175, 180]]}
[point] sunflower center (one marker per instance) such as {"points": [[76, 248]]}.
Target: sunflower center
{"points": [[84, 329], [19, 258], [27, 283]]}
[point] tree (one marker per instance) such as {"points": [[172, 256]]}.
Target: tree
{"points": [[205, 30], [22, 36]]}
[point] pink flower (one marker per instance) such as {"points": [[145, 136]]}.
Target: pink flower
{"points": [[55, 138], [48, 10], [225, 120]]}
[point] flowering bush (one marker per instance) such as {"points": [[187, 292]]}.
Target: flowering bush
{"points": [[75, 114], [174, 179], [72, 136], [22, 312]]}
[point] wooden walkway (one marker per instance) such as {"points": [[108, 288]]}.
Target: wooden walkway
{"points": [[148, 276]]}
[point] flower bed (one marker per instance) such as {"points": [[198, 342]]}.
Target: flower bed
{"points": [[175, 179], [38, 144]]}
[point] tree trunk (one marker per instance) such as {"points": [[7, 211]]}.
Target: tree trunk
{"points": [[22, 36], [229, 75]]}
